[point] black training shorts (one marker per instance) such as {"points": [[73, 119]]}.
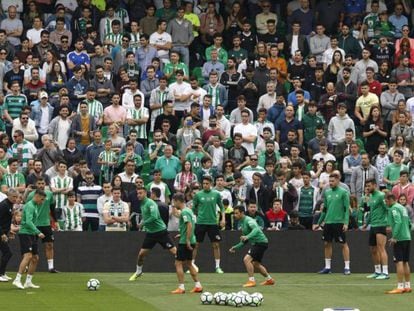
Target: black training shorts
{"points": [[257, 251], [402, 251], [334, 232], [161, 237], [28, 244], [47, 231], [183, 253], [373, 234], [213, 232]]}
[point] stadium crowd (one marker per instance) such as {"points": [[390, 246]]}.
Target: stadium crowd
{"points": [[268, 98]]}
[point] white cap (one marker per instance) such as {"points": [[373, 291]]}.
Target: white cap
{"points": [[43, 95]]}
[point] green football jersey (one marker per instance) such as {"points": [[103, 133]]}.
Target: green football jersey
{"points": [[43, 212], [400, 222], [336, 207], [378, 216], [30, 212], [187, 216], [252, 231], [151, 216], [205, 206]]}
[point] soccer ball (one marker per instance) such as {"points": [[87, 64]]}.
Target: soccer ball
{"points": [[260, 296], [93, 284], [206, 298], [247, 300], [221, 299], [255, 301], [238, 300], [215, 296], [230, 301]]}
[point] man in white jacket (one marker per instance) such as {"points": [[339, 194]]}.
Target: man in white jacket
{"points": [[339, 124]]}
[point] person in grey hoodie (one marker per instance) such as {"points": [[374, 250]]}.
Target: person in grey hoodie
{"points": [[361, 174], [389, 102], [339, 124]]}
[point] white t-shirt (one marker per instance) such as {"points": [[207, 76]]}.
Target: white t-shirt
{"points": [[246, 130], [34, 35], [63, 136], [326, 157], [44, 121], [410, 106], [198, 95], [160, 39], [183, 88]]}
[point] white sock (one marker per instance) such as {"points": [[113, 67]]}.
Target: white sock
{"points": [[400, 285], [139, 270], [385, 269], [327, 263], [18, 277], [407, 285], [217, 263], [29, 278], [252, 279], [193, 262], [377, 269], [181, 286], [347, 264], [50, 264], [268, 277], [197, 284]]}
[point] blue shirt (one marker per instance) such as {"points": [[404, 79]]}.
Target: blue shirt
{"points": [[144, 57], [77, 59], [398, 23], [292, 97], [284, 127]]}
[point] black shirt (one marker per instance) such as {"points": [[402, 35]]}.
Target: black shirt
{"points": [[6, 212], [164, 211]]}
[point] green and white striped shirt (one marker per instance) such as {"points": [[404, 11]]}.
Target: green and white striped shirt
{"points": [[23, 152], [215, 93], [136, 114], [14, 104], [13, 180], [115, 38], [73, 217], [118, 209], [58, 182]]}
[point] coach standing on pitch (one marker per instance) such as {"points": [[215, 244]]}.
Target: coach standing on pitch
{"points": [[335, 219], [6, 214], [401, 239]]}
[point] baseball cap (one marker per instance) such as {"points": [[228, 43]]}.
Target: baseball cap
{"points": [[43, 95]]}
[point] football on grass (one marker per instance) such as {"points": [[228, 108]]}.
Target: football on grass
{"points": [[93, 284]]}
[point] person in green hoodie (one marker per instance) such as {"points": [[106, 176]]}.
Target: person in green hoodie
{"points": [[401, 239], [28, 235], [252, 260], [334, 219]]}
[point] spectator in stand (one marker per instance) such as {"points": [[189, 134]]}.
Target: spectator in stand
{"points": [[210, 23]]}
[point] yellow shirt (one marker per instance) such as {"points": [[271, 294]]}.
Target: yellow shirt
{"points": [[366, 102], [193, 18], [85, 140], [100, 4]]}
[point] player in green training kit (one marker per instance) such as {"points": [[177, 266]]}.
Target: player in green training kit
{"points": [[378, 221], [185, 245], [28, 235], [43, 221], [401, 239], [334, 219], [205, 204], [155, 228], [252, 232]]}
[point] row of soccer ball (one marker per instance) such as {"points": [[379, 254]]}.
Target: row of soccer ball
{"points": [[239, 299]]}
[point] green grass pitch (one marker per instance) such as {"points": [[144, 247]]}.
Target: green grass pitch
{"points": [[67, 291]]}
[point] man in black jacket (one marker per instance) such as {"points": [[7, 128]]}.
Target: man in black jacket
{"points": [[6, 213]]}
